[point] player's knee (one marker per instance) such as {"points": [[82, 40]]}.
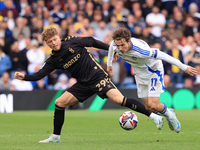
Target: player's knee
{"points": [[60, 103], [57, 102]]}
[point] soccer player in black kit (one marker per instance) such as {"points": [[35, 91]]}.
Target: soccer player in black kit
{"points": [[70, 54]]}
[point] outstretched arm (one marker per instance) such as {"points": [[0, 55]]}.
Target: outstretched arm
{"points": [[187, 69], [91, 42], [47, 69]]}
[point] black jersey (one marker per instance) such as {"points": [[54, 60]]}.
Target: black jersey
{"points": [[74, 58]]}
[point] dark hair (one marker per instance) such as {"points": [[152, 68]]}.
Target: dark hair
{"points": [[122, 33]]}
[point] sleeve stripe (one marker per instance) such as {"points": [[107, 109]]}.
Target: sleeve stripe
{"points": [[141, 51], [156, 52]]}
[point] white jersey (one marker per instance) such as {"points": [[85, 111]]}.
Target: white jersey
{"points": [[145, 60]]}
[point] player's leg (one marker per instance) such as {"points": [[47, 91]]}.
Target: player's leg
{"points": [[61, 103], [66, 99], [143, 92], [77, 93], [104, 87], [153, 104], [154, 88], [116, 96], [149, 106]]}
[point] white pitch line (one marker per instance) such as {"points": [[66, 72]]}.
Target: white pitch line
{"points": [[99, 134]]}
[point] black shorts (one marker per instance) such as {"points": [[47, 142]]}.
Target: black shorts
{"points": [[100, 85]]}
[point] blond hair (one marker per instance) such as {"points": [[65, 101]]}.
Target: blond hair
{"points": [[49, 33]]}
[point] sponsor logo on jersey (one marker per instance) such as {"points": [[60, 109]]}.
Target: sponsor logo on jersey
{"points": [[72, 61], [129, 61]]}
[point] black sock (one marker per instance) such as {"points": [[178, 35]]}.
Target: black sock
{"points": [[59, 116], [135, 105]]}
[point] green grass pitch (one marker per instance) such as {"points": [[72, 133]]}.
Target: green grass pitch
{"points": [[86, 130]]}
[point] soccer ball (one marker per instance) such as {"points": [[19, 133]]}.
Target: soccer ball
{"points": [[128, 120]]}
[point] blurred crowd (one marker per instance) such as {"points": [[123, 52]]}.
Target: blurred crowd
{"points": [[173, 26]]}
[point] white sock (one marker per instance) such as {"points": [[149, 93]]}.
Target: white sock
{"points": [[151, 116], [168, 113]]}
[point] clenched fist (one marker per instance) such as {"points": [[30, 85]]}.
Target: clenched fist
{"points": [[19, 75]]}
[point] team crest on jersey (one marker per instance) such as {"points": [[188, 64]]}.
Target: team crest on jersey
{"points": [[134, 58], [71, 50]]}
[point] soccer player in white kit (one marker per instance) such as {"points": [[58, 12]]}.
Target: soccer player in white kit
{"points": [[148, 69]]}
